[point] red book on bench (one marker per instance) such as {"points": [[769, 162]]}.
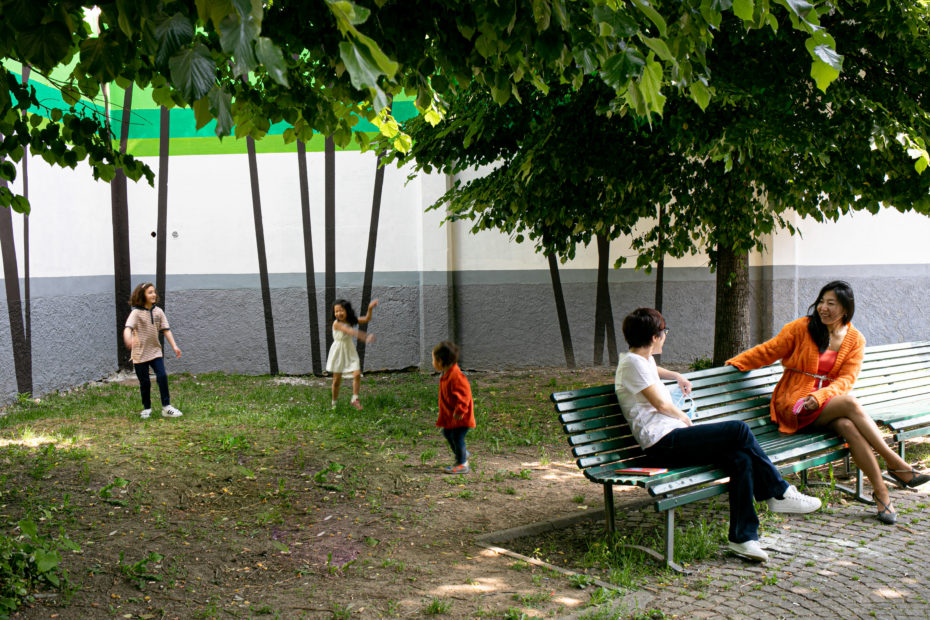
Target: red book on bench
{"points": [[642, 471]]}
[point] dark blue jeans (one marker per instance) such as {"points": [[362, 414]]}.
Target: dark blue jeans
{"points": [[456, 439], [145, 384], [732, 447]]}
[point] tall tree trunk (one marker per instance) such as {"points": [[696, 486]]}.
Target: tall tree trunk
{"points": [[262, 261], [329, 207], [161, 230], [603, 314], [161, 226], [660, 272], [372, 245], [731, 322], [308, 258], [660, 265], [560, 311], [22, 357], [27, 284], [119, 208]]}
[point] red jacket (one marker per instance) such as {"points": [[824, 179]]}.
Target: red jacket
{"points": [[456, 408], [796, 349]]}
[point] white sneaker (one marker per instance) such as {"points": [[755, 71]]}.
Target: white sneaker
{"points": [[170, 412], [145, 414], [794, 502], [751, 550]]}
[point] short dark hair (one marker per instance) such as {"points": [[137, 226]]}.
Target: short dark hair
{"points": [[447, 353], [844, 295], [137, 299], [641, 325]]}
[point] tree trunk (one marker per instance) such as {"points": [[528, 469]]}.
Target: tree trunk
{"points": [[731, 322], [603, 313], [309, 269], [262, 259], [370, 257], [560, 311], [660, 275], [329, 235], [119, 208]]}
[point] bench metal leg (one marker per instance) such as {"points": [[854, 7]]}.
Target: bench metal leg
{"points": [[901, 450], [611, 527], [857, 493], [610, 515]]}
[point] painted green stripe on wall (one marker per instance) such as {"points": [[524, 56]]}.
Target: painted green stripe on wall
{"points": [[144, 121], [228, 146]]}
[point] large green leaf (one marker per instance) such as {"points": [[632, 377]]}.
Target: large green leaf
{"points": [[700, 93], [46, 560], [620, 68], [653, 15], [214, 10], [622, 24], [100, 58], [651, 87], [221, 109], [45, 46], [363, 72], [173, 33], [348, 15], [237, 35], [22, 14], [660, 48], [542, 13], [202, 114], [193, 72], [271, 57], [352, 13], [743, 9]]}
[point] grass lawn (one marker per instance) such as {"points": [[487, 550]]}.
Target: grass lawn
{"points": [[263, 501]]}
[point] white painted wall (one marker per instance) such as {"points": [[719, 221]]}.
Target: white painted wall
{"points": [[210, 209]]}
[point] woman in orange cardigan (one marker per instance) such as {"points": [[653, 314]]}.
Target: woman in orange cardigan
{"points": [[822, 354]]}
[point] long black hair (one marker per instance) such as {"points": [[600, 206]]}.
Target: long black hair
{"points": [[351, 319], [815, 327]]}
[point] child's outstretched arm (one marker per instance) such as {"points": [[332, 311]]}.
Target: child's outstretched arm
{"points": [[170, 339], [361, 335], [364, 319], [127, 337]]}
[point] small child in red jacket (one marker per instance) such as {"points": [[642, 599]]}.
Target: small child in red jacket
{"points": [[456, 407]]}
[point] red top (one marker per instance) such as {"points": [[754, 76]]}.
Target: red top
{"points": [[456, 407], [825, 364], [827, 360]]}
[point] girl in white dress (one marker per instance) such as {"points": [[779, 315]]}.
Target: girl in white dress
{"points": [[342, 356]]}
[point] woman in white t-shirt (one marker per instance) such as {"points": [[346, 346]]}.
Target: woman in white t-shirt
{"points": [[670, 439]]}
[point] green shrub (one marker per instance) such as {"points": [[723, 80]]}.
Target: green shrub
{"points": [[29, 562], [701, 363]]}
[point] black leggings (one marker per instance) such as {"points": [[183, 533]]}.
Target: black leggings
{"points": [[145, 384]]}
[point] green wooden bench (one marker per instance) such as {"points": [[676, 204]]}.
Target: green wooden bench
{"points": [[894, 382], [894, 388]]}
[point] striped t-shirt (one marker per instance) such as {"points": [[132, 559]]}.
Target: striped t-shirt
{"points": [[146, 325]]}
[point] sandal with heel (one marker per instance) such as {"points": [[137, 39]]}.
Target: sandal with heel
{"points": [[886, 514], [917, 479]]}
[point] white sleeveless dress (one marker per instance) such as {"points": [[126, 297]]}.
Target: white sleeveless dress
{"points": [[342, 356]]}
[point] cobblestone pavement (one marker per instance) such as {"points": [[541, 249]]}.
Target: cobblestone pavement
{"points": [[838, 563]]}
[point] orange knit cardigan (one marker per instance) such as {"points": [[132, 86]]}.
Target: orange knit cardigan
{"points": [[796, 349]]}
